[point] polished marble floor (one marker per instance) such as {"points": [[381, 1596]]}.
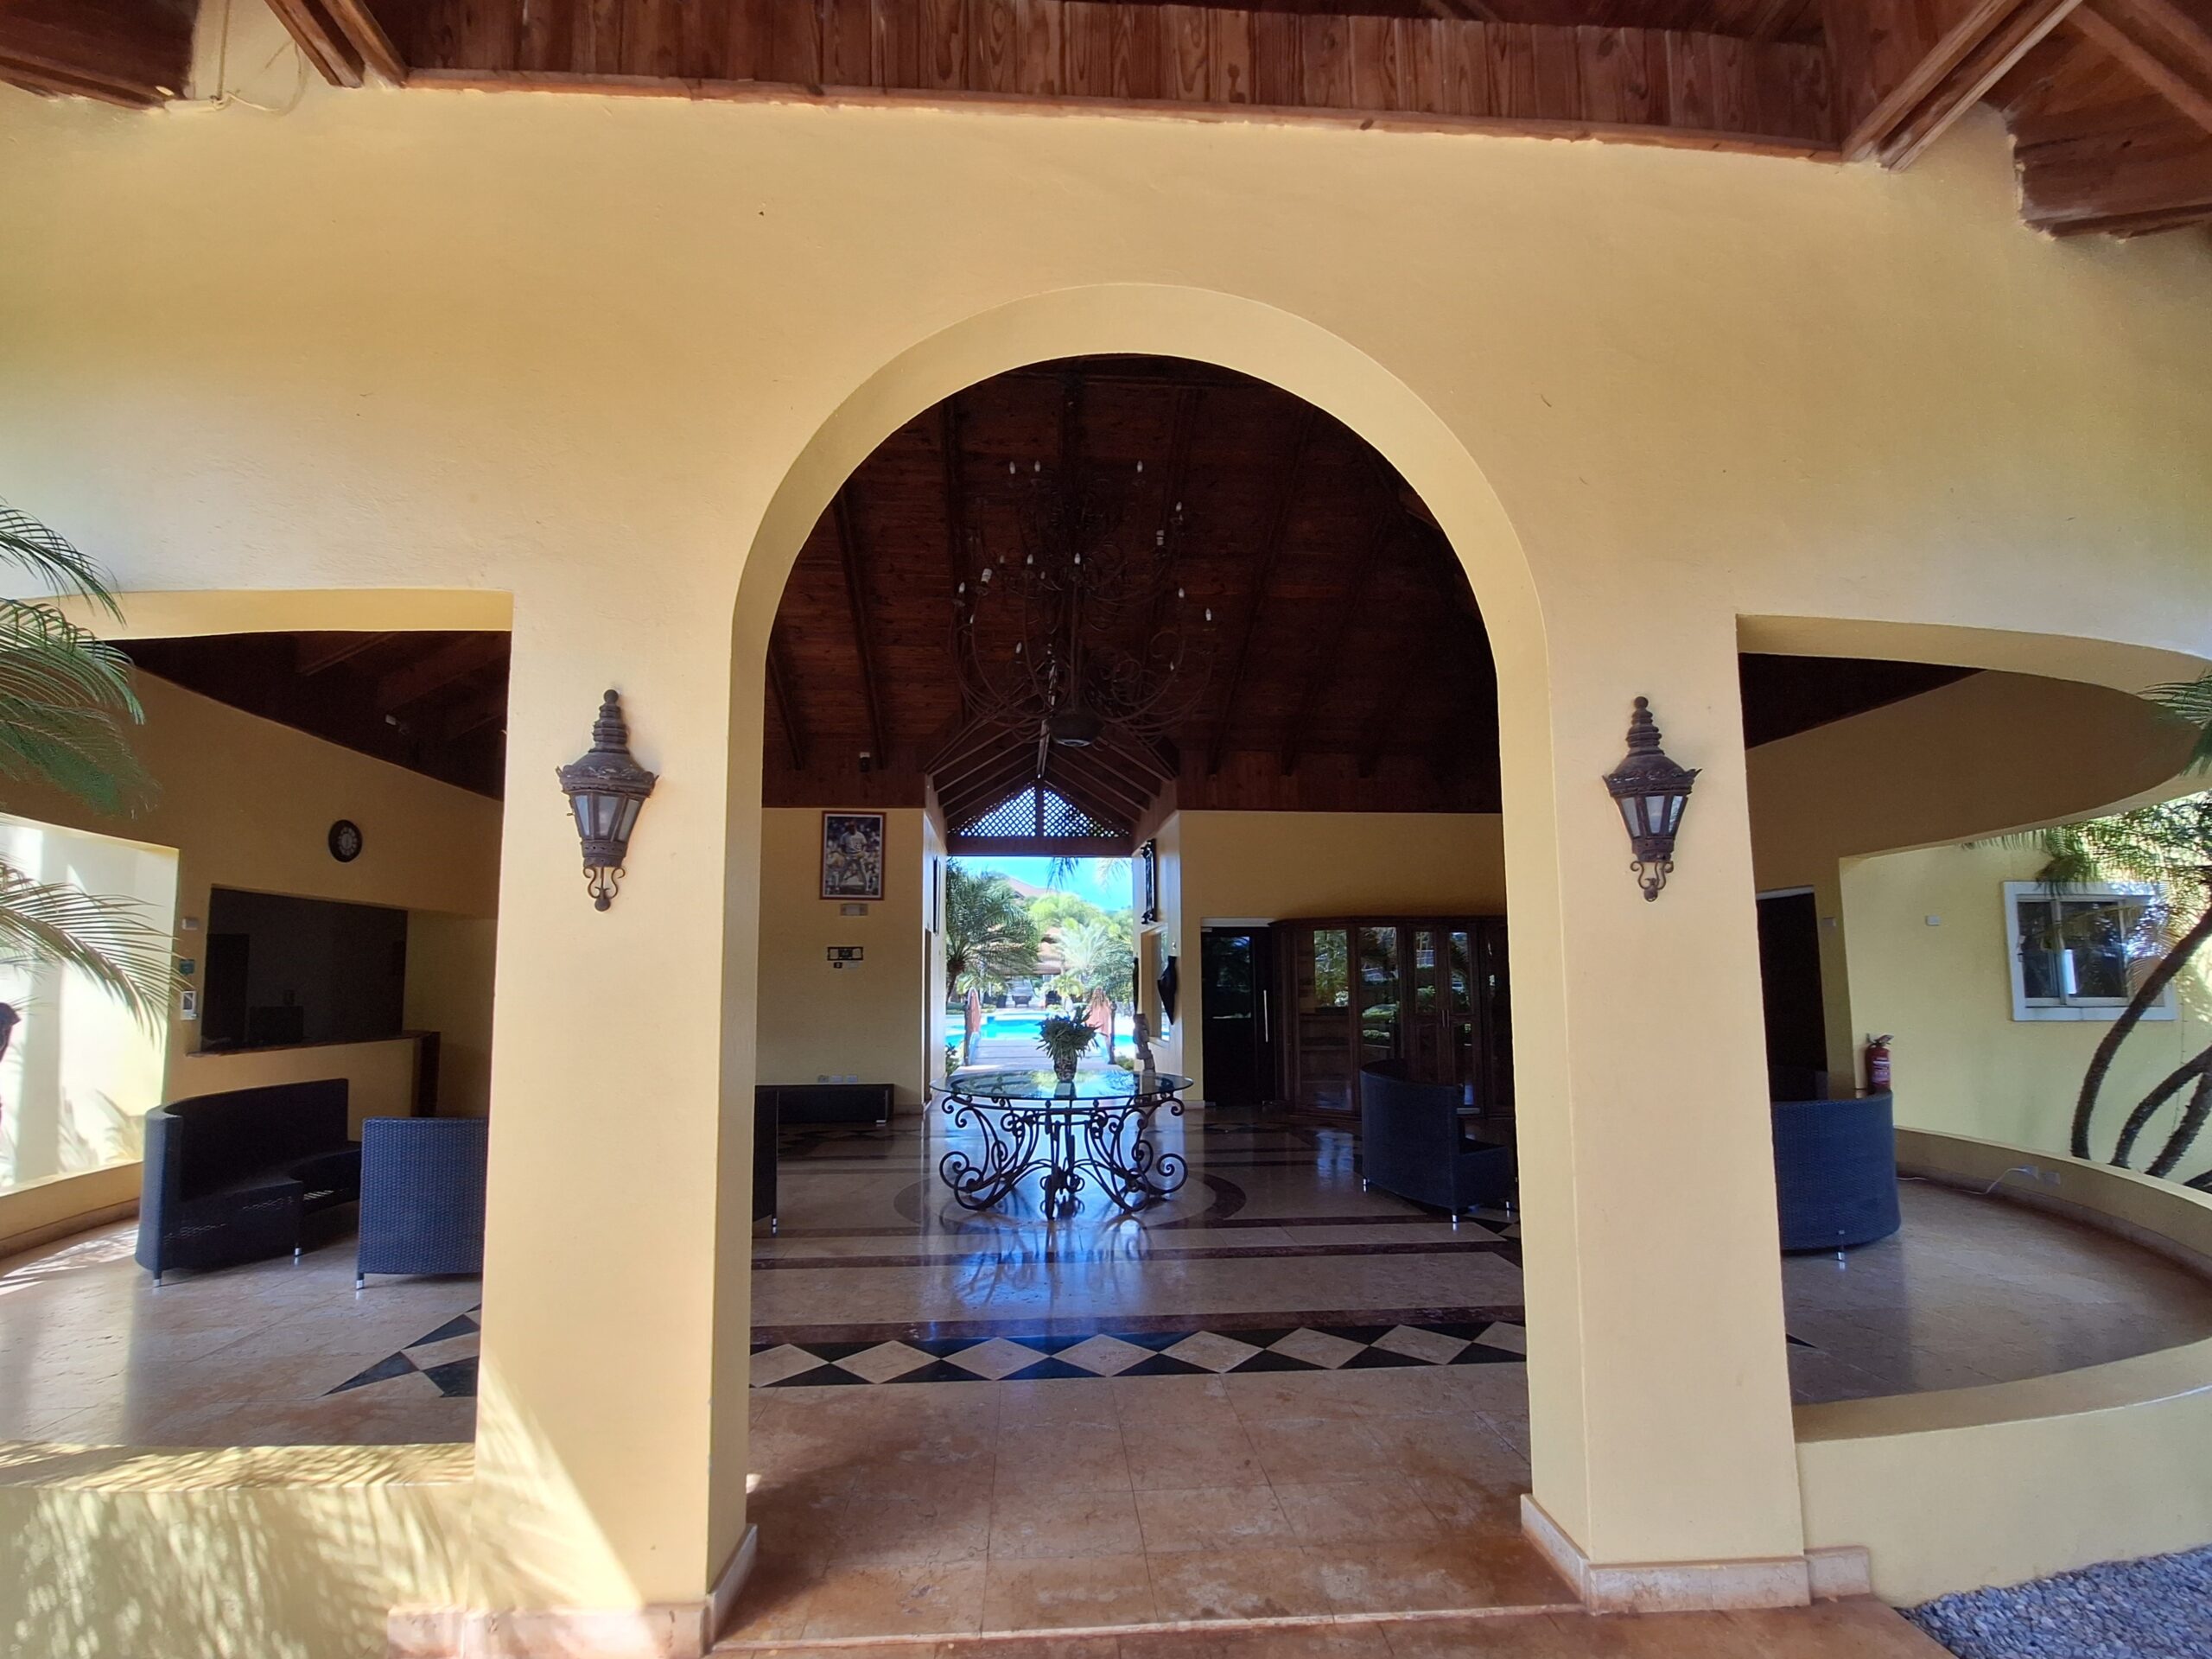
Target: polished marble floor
{"points": [[1270, 1261]]}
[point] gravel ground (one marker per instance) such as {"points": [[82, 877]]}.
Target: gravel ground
{"points": [[2156, 1609]]}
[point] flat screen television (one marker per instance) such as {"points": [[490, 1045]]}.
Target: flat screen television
{"points": [[282, 971]]}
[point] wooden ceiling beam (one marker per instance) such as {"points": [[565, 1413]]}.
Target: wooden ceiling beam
{"points": [[849, 553], [779, 684], [1263, 572], [956, 504], [1904, 70], [1129, 803], [133, 53], [1324, 665], [321, 41], [1991, 60], [988, 790], [2158, 43], [472, 714], [456, 659], [319, 652], [358, 24]]}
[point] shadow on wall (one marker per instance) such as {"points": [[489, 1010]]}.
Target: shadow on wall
{"points": [[252, 1552]]}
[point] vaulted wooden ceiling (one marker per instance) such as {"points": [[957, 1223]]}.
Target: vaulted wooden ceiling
{"points": [[2109, 101], [1349, 664]]}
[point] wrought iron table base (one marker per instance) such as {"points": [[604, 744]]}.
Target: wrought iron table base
{"points": [[1074, 1143]]}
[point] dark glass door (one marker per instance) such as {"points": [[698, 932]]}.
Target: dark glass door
{"points": [[1237, 969]]}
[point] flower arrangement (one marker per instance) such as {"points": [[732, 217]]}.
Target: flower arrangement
{"points": [[1067, 1038]]}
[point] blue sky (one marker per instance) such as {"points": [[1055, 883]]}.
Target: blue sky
{"points": [[1085, 883]]}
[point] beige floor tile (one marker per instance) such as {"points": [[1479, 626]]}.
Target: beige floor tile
{"points": [[1238, 1584], [1353, 1513], [1311, 1449], [873, 1530], [1440, 1575], [1064, 1456], [1030, 1523], [1058, 1400], [1528, 1635], [1068, 1593], [1192, 1454], [1357, 1641], [1213, 1518], [906, 1600], [1859, 1629]]}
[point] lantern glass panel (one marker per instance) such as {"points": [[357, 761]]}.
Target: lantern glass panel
{"points": [[628, 819], [1655, 814], [581, 805], [1631, 808], [1675, 812], [605, 807]]}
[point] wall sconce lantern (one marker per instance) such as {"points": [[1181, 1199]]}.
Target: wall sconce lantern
{"points": [[604, 789], [1650, 790]]}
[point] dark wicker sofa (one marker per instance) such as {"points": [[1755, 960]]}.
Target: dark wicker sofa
{"points": [[1411, 1143], [231, 1177]]}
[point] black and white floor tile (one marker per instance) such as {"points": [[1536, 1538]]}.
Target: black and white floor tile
{"points": [[1149, 1353], [445, 1360]]}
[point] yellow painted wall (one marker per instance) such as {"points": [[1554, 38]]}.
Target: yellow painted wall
{"points": [[1275, 866], [1963, 1064], [449, 963], [1646, 394], [1987, 754], [870, 1022]]}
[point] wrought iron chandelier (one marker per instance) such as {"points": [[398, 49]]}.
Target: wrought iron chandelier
{"points": [[1090, 635]]}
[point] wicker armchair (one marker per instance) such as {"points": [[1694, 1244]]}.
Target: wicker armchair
{"points": [[422, 1196], [1410, 1144]]}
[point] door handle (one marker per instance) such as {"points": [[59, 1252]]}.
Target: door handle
{"points": [[1263, 1017]]}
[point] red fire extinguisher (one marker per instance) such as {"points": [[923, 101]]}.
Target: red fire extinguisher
{"points": [[1878, 1063]]}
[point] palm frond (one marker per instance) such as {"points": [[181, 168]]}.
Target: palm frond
{"points": [[48, 556], [65, 701], [108, 939], [2191, 701]]}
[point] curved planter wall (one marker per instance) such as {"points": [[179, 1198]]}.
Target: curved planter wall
{"points": [[1968, 1487]]}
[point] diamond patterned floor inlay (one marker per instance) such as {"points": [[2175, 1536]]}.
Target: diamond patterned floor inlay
{"points": [[444, 1358], [1147, 1353]]}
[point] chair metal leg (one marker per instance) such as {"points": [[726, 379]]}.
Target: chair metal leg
{"points": [[1455, 1221], [360, 1282], [295, 1256], [775, 1224]]}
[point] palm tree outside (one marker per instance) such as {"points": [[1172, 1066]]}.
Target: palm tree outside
{"points": [[990, 938]]}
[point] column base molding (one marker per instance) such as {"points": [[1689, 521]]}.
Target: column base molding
{"points": [[1826, 1574], [665, 1629]]}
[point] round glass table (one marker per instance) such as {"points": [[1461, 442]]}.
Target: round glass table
{"points": [[1096, 1128]]}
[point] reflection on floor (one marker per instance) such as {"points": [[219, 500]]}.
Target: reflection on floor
{"points": [[1271, 1259]]}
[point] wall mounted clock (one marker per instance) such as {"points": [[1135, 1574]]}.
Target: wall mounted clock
{"points": [[344, 841]]}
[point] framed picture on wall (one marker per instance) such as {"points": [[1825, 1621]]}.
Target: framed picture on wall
{"points": [[1148, 882], [852, 855]]}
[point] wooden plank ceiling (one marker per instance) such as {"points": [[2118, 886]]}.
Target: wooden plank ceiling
{"points": [[2109, 101]]}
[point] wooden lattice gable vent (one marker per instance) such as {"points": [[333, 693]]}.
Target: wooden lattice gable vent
{"points": [[1040, 811]]}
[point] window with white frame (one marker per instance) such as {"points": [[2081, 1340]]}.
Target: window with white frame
{"points": [[2080, 950]]}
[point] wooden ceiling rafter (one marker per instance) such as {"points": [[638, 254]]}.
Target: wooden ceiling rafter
{"points": [[317, 652], [787, 710], [2157, 43], [849, 553], [424, 675], [1322, 666], [1263, 569], [342, 39], [133, 53]]}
